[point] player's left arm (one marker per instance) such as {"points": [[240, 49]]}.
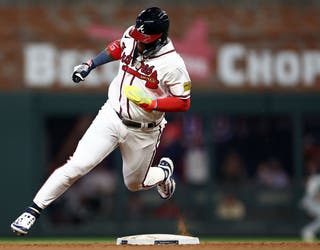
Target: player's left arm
{"points": [[169, 104], [178, 84], [148, 103], [111, 53]]}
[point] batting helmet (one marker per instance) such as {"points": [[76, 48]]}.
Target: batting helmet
{"points": [[152, 26]]}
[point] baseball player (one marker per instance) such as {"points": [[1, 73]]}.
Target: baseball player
{"points": [[311, 203], [152, 79]]}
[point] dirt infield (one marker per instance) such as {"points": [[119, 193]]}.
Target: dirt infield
{"points": [[202, 246]]}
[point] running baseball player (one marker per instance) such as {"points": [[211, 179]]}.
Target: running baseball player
{"points": [[311, 204], [152, 79]]}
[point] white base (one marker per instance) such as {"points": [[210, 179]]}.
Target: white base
{"points": [[157, 239]]}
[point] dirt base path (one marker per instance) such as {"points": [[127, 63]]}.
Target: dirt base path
{"points": [[202, 246]]}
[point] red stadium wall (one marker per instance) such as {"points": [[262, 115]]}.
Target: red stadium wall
{"points": [[226, 47]]}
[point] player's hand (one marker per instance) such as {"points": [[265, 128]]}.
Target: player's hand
{"points": [[80, 72], [139, 97]]}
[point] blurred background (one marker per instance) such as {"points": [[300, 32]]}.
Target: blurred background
{"points": [[242, 153]]}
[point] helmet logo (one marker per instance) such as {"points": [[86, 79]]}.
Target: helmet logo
{"points": [[141, 28]]}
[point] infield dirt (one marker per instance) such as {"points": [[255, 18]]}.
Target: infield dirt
{"points": [[201, 246]]}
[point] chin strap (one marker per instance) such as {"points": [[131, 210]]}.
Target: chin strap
{"points": [[154, 47]]}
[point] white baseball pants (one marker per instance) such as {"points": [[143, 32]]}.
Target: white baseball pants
{"points": [[106, 133]]}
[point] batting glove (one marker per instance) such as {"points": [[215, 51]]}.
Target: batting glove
{"points": [[81, 71], [140, 98]]}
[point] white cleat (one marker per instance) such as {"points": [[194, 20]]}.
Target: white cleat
{"points": [[24, 222], [168, 186]]}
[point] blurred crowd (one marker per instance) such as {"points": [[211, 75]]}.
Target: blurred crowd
{"points": [[231, 152]]}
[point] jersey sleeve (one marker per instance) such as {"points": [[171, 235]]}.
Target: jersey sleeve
{"points": [[178, 83], [115, 48]]}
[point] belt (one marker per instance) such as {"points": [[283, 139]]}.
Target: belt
{"points": [[134, 124]]}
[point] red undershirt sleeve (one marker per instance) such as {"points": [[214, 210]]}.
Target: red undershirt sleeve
{"points": [[172, 104]]}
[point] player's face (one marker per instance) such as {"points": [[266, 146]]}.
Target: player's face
{"points": [[141, 47]]}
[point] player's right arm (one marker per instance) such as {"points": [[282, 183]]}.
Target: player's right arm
{"points": [[111, 53]]}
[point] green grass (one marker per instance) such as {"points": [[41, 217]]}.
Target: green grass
{"points": [[27, 239]]}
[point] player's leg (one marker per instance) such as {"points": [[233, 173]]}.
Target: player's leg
{"points": [[312, 207], [167, 187], [309, 231], [100, 139], [138, 152]]}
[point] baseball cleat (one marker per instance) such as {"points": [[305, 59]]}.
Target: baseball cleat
{"points": [[168, 186], [24, 222]]}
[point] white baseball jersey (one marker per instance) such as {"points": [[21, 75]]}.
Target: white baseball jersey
{"points": [[161, 75]]}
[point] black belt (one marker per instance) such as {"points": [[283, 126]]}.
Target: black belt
{"points": [[134, 124]]}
